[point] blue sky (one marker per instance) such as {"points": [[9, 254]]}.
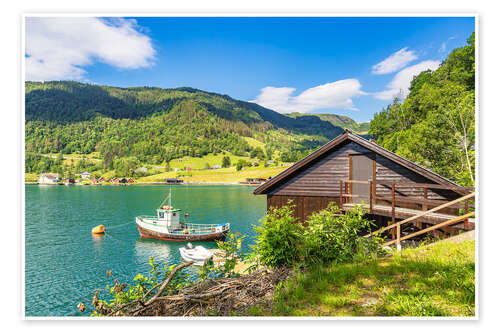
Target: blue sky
{"points": [[350, 66]]}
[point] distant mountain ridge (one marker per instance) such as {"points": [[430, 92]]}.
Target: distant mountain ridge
{"points": [[336, 120]]}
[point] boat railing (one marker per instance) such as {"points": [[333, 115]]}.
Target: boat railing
{"points": [[204, 227], [150, 217]]}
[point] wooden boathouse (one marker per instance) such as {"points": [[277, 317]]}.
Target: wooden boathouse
{"points": [[351, 170]]}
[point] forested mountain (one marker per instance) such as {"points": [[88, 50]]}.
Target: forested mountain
{"points": [[435, 125], [156, 125], [335, 120]]}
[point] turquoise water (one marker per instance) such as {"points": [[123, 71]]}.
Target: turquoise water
{"points": [[64, 261]]}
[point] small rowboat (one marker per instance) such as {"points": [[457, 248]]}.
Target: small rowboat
{"points": [[167, 225], [198, 255]]}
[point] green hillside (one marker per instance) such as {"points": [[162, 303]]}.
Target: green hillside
{"points": [[144, 125]]}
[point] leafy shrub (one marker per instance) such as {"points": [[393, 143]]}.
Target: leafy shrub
{"points": [[226, 162], [117, 295], [279, 238], [241, 164], [231, 247], [334, 237]]}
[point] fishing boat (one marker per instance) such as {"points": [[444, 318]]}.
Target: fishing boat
{"points": [[167, 225]]}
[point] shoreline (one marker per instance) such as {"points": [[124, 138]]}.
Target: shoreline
{"points": [[145, 184]]}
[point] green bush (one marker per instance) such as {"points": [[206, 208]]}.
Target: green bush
{"points": [[333, 237], [233, 252], [328, 237], [279, 238]]}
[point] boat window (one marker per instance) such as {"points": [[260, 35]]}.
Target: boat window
{"points": [[161, 215], [173, 214]]}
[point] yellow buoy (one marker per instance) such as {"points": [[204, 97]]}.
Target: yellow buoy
{"points": [[100, 229]]}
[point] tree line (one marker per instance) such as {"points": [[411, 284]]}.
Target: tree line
{"points": [[435, 124]]}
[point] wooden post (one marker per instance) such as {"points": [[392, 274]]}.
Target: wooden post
{"points": [[425, 197], [398, 237], [424, 208], [371, 197], [393, 207], [466, 222], [341, 198]]}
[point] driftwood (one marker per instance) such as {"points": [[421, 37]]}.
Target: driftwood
{"points": [[162, 286], [208, 297]]}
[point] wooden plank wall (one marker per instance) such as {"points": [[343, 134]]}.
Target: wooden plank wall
{"points": [[389, 171], [322, 178]]}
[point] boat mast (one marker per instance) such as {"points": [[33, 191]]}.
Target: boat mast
{"points": [[170, 197]]}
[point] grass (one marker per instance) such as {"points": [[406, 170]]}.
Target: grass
{"points": [[201, 162], [226, 175], [31, 177], [437, 280], [255, 143]]}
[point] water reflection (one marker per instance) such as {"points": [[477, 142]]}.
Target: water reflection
{"points": [[147, 247]]}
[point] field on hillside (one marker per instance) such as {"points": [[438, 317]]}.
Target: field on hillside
{"points": [[201, 162], [227, 175]]}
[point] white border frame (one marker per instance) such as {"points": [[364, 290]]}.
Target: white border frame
{"points": [[230, 13]]}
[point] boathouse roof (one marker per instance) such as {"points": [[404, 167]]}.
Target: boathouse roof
{"points": [[348, 135]]}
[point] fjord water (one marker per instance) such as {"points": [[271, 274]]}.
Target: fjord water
{"points": [[64, 261]]}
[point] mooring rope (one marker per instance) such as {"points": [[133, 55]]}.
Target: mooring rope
{"points": [[107, 235], [118, 226]]}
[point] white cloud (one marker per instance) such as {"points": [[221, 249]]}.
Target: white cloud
{"points": [[442, 48], [443, 44], [59, 48], [336, 94], [394, 62], [401, 81]]}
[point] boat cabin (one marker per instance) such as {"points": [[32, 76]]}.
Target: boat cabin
{"points": [[168, 216]]}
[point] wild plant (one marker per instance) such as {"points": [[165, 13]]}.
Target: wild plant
{"points": [[279, 240]]}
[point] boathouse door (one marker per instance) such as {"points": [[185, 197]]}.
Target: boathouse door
{"points": [[361, 168]]}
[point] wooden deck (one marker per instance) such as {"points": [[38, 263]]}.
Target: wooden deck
{"points": [[404, 213]]}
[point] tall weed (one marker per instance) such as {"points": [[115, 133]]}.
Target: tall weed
{"points": [[279, 240]]}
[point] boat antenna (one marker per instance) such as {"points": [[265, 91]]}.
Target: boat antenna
{"points": [[169, 198]]}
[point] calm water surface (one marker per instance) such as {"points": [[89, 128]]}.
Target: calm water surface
{"points": [[64, 261]]}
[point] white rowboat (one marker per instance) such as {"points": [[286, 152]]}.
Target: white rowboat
{"points": [[198, 255]]}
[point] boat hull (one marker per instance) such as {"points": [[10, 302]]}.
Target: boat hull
{"points": [[215, 236]]}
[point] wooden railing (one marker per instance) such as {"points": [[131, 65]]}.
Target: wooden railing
{"points": [[346, 195], [398, 225]]}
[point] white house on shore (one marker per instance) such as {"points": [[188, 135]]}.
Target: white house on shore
{"points": [[49, 178], [84, 175]]}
